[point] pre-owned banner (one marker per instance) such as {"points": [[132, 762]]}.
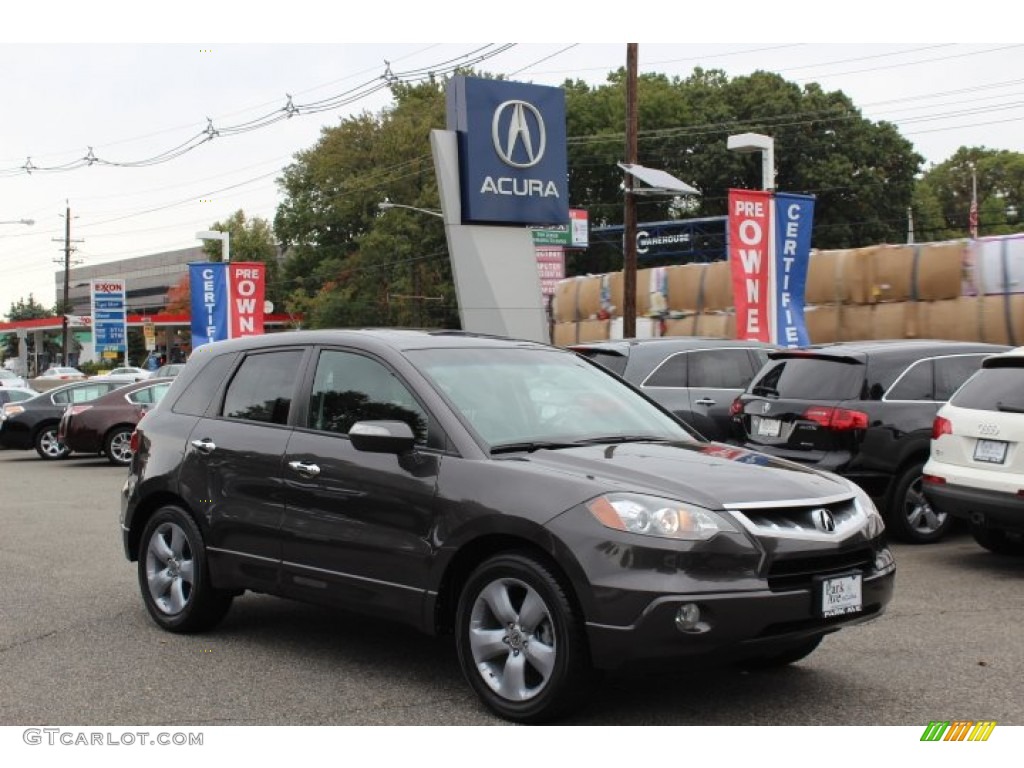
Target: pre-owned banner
{"points": [[750, 244], [208, 286], [246, 287], [794, 215]]}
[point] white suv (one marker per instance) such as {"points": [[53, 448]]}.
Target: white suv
{"points": [[976, 469]]}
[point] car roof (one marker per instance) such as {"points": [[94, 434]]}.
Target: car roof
{"points": [[889, 348], [670, 342], [395, 338]]}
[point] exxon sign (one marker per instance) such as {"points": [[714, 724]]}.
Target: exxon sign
{"points": [[512, 154]]}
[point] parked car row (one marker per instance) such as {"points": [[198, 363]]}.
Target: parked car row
{"points": [[863, 410], [93, 416]]}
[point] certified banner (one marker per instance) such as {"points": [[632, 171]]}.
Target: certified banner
{"points": [[794, 215], [750, 262], [246, 288], [208, 287]]}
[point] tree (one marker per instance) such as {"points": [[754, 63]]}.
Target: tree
{"points": [[1000, 178], [250, 240], [28, 310], [349, 263]]}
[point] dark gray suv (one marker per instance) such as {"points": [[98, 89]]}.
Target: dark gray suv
{"points": [[511, 493]]}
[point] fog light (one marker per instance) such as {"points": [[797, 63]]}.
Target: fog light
{"points": [[884, 560], [687, 617]]}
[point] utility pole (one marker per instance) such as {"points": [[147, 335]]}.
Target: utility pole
{"points": [[67, 284], [629, 215]]}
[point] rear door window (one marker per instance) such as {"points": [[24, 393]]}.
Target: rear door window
{"points": [[671, 372], [720, 369], [916, 383], [262, 387]]}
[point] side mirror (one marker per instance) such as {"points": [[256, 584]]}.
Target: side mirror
{"points": [[382, 436]]}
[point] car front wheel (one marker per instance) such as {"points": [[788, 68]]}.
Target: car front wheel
{"points": [[48, 446], [910, 517], [520, 641], [174, 577]]}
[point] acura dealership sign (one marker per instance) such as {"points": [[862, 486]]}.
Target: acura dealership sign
{"points": [[512, 153]]}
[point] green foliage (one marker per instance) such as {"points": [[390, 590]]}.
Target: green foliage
{"points": [[349, 263], [250, 240], [28, 310], [1000, 178]]}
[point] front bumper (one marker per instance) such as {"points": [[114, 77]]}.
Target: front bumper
{"points": [[989, 509], [737, 625]]}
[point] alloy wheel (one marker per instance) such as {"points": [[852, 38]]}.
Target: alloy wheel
{"points": [[170, 568]]}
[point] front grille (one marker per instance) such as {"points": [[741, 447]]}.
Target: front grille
{"points": [[799, 572], [801, 519]]}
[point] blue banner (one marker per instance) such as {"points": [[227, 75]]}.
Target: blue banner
{"points": [[513, 160], [208, 289], [794, 217]]}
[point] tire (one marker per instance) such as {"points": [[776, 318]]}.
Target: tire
{"points": [[909, 516], [997, 541], [117, 446], [520, 641], [784, 658], [174, 577], [48, 446]]}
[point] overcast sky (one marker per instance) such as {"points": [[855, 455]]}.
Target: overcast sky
{"points": [[131, 101]]}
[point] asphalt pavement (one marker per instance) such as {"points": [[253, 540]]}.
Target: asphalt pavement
{"points": [[77, 646]]}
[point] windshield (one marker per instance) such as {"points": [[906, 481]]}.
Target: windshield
{"points": [[512, 396]]}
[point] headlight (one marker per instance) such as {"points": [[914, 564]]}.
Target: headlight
{"points": [[875, 524], [653, 516], [13, 410]]}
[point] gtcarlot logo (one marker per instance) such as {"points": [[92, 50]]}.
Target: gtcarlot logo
{"points": [[71, 738], [958, 730]]}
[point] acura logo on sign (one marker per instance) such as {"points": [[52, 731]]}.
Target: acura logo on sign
{"points": [[511, 129], [823, 520]]}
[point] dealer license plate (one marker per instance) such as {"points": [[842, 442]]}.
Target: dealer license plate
{"points": [[841, 595], [990, 451], [769, 428]]}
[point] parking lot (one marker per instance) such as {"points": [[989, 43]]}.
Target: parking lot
{"points": [[76, 644]]}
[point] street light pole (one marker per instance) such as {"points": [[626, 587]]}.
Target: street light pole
{"points": [[757, 142], [629, 212], [387, 206], [224, 238]]}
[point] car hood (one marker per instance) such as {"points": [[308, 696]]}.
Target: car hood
{"points": [[713, 475]]}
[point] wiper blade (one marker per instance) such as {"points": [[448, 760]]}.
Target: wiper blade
{"points": [[1006, 408], [609, 439], [530, 447]]}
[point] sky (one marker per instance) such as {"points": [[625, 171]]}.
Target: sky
{"points": [[74, 81]]}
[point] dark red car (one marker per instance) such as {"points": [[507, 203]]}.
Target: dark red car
{"points": [[105, 425]]}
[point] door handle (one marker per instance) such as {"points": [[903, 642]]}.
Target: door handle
{"points": [[704, 401], [206, 445], [304, 469]]}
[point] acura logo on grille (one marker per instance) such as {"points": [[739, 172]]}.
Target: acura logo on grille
{"points": [[823, 520], [512, 116]]}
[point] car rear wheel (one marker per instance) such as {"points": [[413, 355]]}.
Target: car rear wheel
{"points": [[997, 541], [118, 446], [48, 446], [909, 516], [520, 641], [174, 577], [783, 658]]}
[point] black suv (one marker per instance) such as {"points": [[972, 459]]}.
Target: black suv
{"points": [[514, 494], [864, 410], [697, 378]]}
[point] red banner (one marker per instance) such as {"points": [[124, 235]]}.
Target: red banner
{"points": [[750, 262], [247, 283]]}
